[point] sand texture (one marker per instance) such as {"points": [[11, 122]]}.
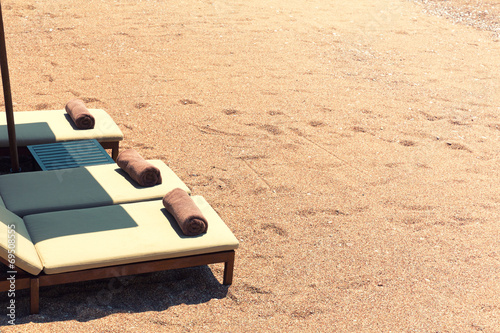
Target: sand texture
{"points": [[353, 147]]}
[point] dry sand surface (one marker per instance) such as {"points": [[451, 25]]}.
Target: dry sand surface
{"points": [[351, 146]]}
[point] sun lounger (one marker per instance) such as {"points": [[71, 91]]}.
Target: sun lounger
{"points": [[102, 242], [83, 187], [49, 126]]}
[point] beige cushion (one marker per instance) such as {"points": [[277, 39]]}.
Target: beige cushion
{"points": [[37, 127], [25, 254], [83, 187], [120, 234]]}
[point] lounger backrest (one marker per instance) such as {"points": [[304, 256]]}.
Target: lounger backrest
{"points": [[15, 243], [47, 126], [27, 193]]}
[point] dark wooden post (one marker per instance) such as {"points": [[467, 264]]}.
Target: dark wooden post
{"points": [[9, 111]]}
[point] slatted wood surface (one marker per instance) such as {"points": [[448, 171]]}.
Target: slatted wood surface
{"points": [[70, 154]]}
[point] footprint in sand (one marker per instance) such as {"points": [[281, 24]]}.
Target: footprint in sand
{"points": [[275, 113], [42, 106], [90, 99], [273, 227], [230, 112], [140, 105], [316, 123], [407, 143], [458, 146], [271, 129]]}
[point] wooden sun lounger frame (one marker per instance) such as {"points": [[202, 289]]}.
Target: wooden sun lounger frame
{"points": [[25, 280]]}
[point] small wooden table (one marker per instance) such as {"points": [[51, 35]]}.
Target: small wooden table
{"points": [[69, 154]]}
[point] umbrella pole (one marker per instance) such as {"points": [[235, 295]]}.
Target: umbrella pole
{"points": [[9, 111]]}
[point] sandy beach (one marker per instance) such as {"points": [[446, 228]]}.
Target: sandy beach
{"points": [[353, 148]]}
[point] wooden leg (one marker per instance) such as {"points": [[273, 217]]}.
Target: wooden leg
{"points": [[228, 270], [114, 146], [114, 152], [35, 296]]}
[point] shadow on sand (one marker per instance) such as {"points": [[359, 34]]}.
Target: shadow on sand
{"points": [[85, 301]]}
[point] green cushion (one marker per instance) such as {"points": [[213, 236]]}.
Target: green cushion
{"points": [[120, 234], [83, 187], [48, 126], [25, 254]]}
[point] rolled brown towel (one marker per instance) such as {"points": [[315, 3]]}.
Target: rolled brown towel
{"points": [[80, 115], [186, 213], [138, 168]]}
